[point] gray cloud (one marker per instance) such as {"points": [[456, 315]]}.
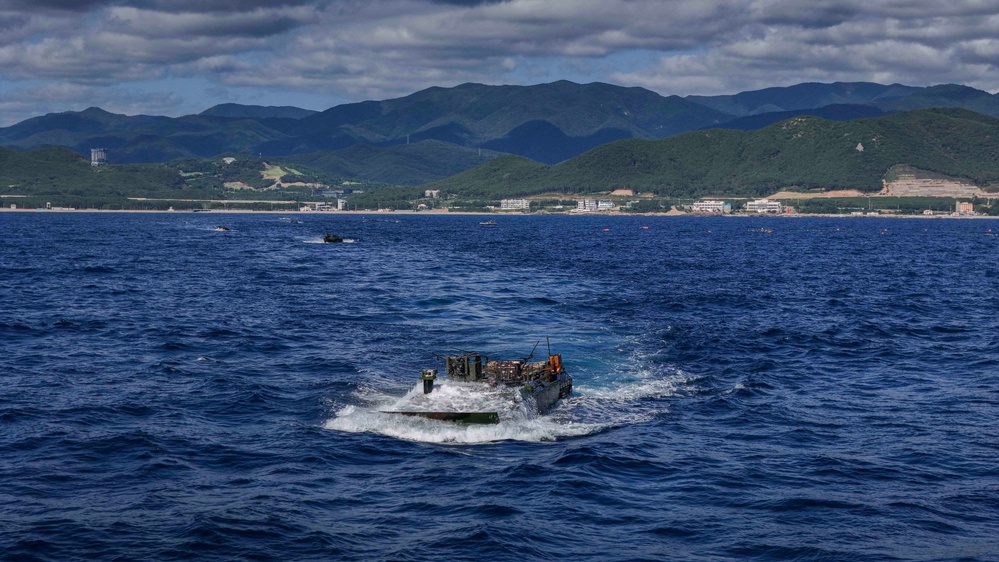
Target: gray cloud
{"points": [[150, 24], [357, 49], [173, 6], [59, 5]]}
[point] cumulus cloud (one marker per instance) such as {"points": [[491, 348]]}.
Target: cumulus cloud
{"points": [[783, 43], [358, 49]]}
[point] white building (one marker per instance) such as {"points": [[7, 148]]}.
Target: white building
{"points": [[586, 205], [515, 204], [98, 156], [764, 206], [605, 205], [709, 206], [432, 194]]}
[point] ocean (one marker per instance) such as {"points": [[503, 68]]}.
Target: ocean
{"points": [[745, 388]]}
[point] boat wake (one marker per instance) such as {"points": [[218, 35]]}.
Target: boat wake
{"points": [[517, 420], [590, 409], [631, 399], [319, 240]]}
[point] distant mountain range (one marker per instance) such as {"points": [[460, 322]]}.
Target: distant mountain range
{"points": [[803, 153], [466, 125]]}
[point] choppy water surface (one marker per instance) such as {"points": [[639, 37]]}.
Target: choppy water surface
{"points": [[744, 388]]}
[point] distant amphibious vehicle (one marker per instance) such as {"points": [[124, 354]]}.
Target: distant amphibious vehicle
{"points": [[540, 384]]}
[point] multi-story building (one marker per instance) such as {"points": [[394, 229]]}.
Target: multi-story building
{"points": [[515, 204], [98, 156], [709, 206], [764, 206]]}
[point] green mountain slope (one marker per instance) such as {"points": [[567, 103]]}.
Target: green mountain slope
{"points": [[945, 95], [568, 119], [57, 171], [141, 139], [578, 110], [65, 178], [548, 122], [801, 153], [406, 164], [809, 95], [238, 111]]}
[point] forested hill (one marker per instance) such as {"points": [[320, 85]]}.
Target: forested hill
{"points": [[64, 177], [799, 153], [57, 171], [464, 125], [802, 153]]}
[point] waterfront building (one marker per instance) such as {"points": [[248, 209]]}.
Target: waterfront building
{"points": [[709, 206], [515, 204], [764, 206]]}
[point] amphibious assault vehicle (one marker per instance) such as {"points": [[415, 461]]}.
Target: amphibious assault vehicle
{"points": [[540, 384]]}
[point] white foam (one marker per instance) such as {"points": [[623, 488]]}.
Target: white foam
{"points": [[450, 396], [627, 398], [590, 409], [320, 240], [354, 419], [518, 421], [641, 378], [738, 386], [635, 389]]}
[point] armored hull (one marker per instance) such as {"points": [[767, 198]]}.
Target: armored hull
{"points": [[540, 384]]}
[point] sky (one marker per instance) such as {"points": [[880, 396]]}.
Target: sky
{"points": [[177, 57]]}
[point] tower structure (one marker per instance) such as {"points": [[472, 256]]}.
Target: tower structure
{"points": [[98, 156]]}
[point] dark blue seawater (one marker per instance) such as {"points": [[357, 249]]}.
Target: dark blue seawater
{"points": [[745, 388]]}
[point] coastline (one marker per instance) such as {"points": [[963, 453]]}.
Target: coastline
{"points": [[487, 214]]}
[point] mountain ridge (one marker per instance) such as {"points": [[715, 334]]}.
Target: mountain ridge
{"points": [[550, 123], [802, 153]]}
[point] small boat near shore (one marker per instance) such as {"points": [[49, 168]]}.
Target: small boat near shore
{"points": [[330, 238], [539, 384], [489, 222]]}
